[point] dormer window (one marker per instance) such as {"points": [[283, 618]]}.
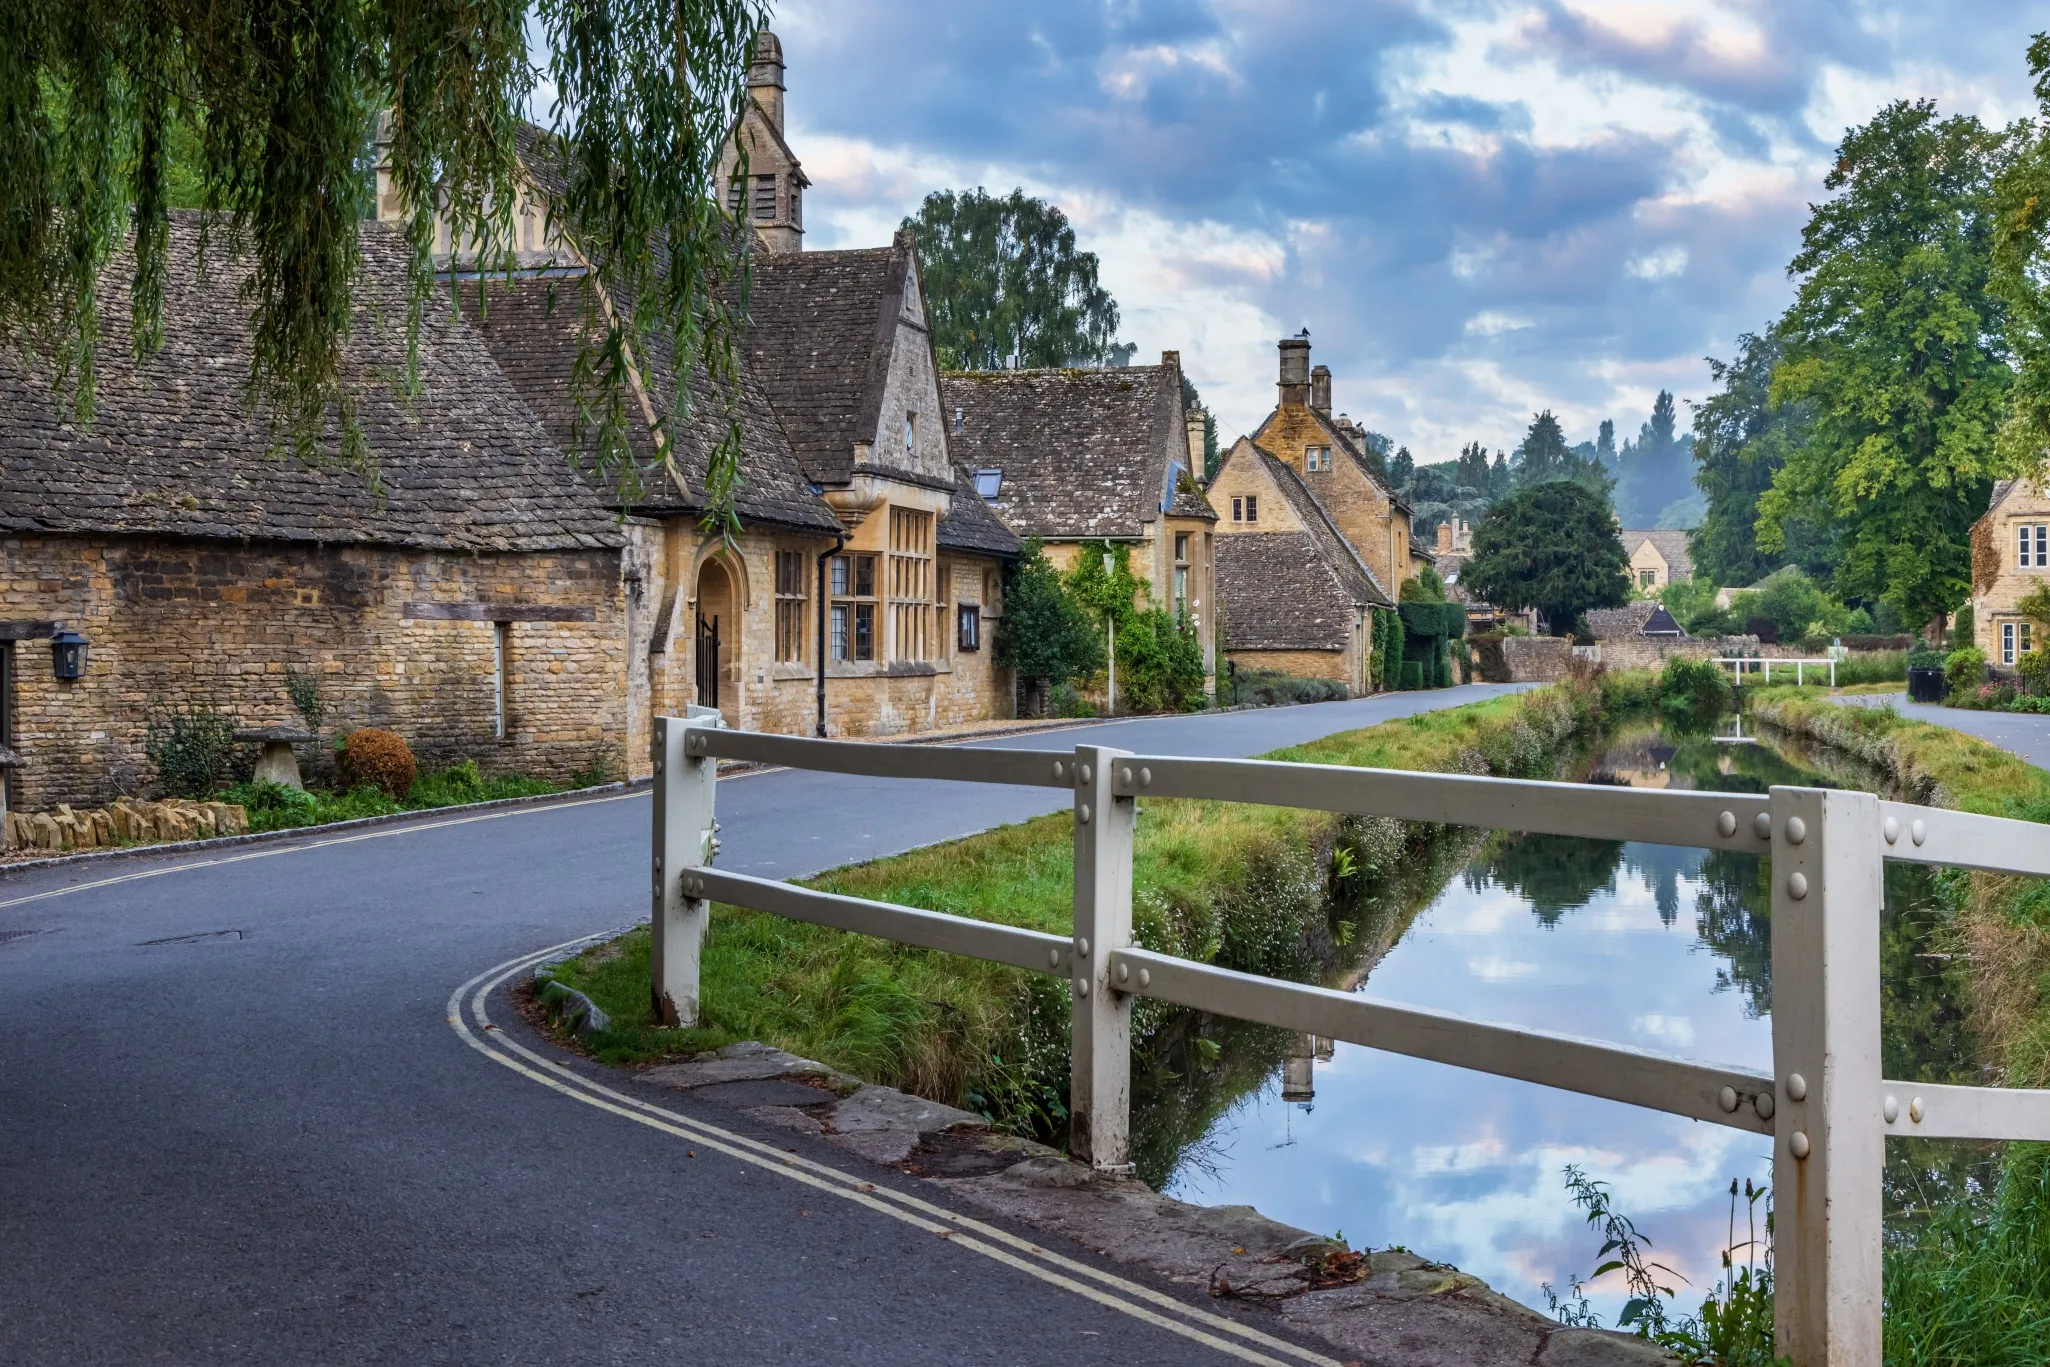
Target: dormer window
{"points": [[989, 483]]}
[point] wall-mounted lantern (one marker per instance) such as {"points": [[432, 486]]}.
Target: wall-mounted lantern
{"points": [[67, 654]]}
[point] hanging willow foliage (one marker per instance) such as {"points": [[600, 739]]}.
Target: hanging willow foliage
{"points": [[278, 101]]}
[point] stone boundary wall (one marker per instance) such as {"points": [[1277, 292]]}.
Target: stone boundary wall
{"points": [[1648, 652], [1536, 659]]}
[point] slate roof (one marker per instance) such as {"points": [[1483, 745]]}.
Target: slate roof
{"points": [[821, 331], [532, 327], [970, 525], [1085, 453], [1189, 499], [175, 450], [1670, 543], [1611, 624], [1280, 592], [1338, 554]]}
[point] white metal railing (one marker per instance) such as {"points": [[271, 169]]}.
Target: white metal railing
{"points": [[1744, 664], [1825, 1103]]}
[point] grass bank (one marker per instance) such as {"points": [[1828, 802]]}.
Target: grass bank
{"points": [[275, 807], [1259, 889], [1972, 1286]]}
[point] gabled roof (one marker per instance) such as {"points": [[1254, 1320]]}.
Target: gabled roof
{"points": [[1670, 543], [175, 449], [1612, 624], [1085, 453], [1350, 570], [532, 328], [1343, 440], [1279, 591], [822, 331], [971, 526]]}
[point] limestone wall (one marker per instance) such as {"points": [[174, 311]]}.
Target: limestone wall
{"points": [[1645, 652], [1338, 665], [1536, 659], [174, 621]]}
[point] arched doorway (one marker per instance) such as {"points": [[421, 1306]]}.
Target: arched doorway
{"points": [[716, 640]]}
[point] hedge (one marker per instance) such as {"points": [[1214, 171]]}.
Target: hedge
{"points": [[1437, 620], [1412, 674]]}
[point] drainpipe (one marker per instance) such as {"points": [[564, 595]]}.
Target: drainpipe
{"points": [[839, 543]]}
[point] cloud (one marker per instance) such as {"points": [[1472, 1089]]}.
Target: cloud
{"points": [[1480, 208]]}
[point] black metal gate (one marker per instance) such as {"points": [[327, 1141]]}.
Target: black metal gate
{"points": [[708, 662]]}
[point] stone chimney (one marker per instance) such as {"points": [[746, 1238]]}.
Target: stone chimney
{"points": [[1445, 537], [1195, 417], [1320, 389], [765, 77], [1295, 368]]}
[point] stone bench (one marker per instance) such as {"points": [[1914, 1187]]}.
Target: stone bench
{"points": [[277, 763]]}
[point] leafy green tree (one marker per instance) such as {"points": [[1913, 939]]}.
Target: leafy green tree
{"points": [[1741, 440], [1160, 664], [1544, 456], [1005, 286], [1402, 471], [1795, 604], [1044, 633], [2021, 270], [1893, 341], [1554, 547], [99, 100]]}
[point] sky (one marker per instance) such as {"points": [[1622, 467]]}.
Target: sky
{"points": [[1478, 208]]}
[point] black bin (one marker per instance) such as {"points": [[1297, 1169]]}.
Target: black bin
{"points": [[1925, 684]]}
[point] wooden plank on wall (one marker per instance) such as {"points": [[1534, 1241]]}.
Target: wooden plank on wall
{"points": [[498, 612]]}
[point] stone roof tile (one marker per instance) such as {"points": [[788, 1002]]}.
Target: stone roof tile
{"points": [[1280, 592], [176, 450]]}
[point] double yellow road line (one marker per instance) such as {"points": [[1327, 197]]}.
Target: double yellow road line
{"points": [[1191, 1322]]}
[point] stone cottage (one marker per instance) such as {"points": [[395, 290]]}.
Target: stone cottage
{"points": [[855, 528], [1075, 457], [1299, 599], [1658, 557], [2010, 560], [470, 599]]}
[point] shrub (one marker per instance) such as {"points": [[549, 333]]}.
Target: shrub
{"points": [[304, 690], [1412, 674], [380, 759], [1964, 669], [191, 746], [1693, 691], [1160, 664], [2034, 667], [1271, 688]]}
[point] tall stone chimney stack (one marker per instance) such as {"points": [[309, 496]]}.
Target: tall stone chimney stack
{"points": [[1195, 417], [1295, 369], [1320, 389], [765, 77]]}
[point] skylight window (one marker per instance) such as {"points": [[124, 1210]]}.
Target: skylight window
{"points": [[989, 483]]}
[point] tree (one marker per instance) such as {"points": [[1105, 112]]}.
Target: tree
{"points": [[1605, 446], [1893, 340], [1544, 455], [1402, 471], [1044, 633], [1005, 286], [1554, 547], [1654, 470], [1740, 442], [2021, 271], [98, 99]]}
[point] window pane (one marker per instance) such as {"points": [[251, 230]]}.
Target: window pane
{"points": [[864, 576], [1238, 510], [864, 631], [1252, 507], [839, 631], [1181, 545], [840, 579]]}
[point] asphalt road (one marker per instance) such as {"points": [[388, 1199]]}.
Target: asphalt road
{"points": [[267, 1145], [2026, 734]]}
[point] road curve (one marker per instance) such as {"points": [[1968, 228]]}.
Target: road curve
{"points": [[236, 1125]]}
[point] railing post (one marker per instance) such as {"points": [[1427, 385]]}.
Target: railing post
{"points": [[684, 790], [1828, 1145], [1100, 1089]]}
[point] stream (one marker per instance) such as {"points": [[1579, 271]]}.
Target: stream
{"points": [[1653, 946]]}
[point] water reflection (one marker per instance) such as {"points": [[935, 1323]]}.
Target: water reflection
{"points": [[1653, 946]]}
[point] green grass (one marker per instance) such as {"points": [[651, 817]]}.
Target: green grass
{"points": [[1250, 888], [274, 807]]}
